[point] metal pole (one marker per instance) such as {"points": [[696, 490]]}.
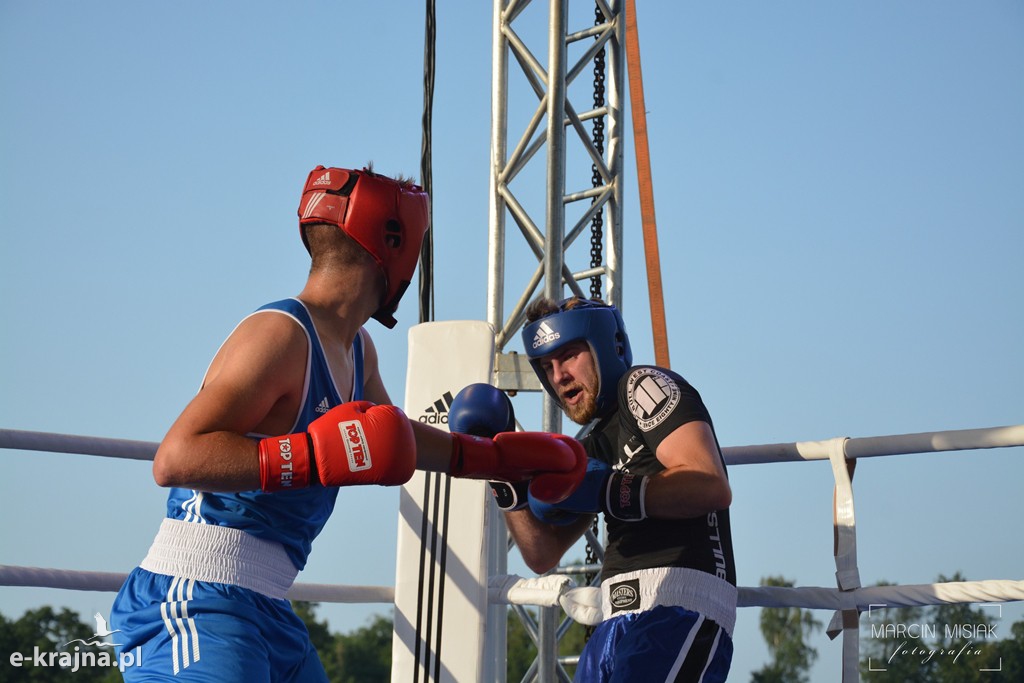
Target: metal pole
{"points": [[547, 640], [499, 138], [555, 190], [615, 71], [496, 651]]}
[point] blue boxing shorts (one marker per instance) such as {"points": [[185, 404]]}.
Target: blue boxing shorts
{"points": [[669, 644], [665, 624], [239, 628]]}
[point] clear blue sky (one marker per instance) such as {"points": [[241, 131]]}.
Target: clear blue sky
{"points": [[841, 215]]}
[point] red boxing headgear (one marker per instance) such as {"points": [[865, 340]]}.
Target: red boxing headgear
{"points": [[386, 217]]}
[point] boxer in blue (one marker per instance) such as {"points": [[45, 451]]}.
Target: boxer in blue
{"points": [[656, 472], [291, 408]]}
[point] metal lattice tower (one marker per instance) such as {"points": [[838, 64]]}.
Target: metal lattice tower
{"points": [[552, 198], [515, 178]]}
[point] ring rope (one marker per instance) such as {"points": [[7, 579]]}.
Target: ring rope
{"points": [[799, 451], [548, 591], [874, 446], [73, 579], [72, 443], [918, 595], [583, 604]]}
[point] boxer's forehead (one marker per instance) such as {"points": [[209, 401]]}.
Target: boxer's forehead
{"points": [[565, 351]]}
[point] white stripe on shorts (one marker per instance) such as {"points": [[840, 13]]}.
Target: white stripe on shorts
{"points": [[180, 626]]}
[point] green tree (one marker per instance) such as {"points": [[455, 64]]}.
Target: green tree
{"points": [[366, 653], [786, 630], [360, 656], [519, 647], [1007, 657], [521, 651], [47, 630], [327, 644]]}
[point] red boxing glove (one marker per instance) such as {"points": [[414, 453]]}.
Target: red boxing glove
{"points": [[352, 444], [554, 487], [555, 462]]}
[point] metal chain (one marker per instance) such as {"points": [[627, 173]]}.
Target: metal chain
{"points": [[597, 223], [596, 239]]}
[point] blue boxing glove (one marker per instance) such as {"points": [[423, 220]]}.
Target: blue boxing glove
{"points": [[484, 410], [481, 410], [616, 493]]}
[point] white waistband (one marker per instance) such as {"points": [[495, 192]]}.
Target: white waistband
{"points": [[219, 554], [690, 589]]}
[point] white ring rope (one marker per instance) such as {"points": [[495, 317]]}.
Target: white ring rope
{"points": [[874, 446], [864, 447], [71, 579], [809, 597], [548, 591], [870, 446], [71, 443], [583, 604]]}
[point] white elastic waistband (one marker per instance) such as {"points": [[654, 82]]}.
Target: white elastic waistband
{"points": [[690, 589], [219, 554]]}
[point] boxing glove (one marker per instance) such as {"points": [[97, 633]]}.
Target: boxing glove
{"points": [[351, 444], [481, 410], [556, 463], [616, 493], [484, 410]]}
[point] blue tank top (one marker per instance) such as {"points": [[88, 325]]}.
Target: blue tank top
{"points": [[291, 518]]}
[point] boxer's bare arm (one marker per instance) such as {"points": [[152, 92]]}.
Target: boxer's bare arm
{"points": [[543, 545], [254, 384], [433, 446]]}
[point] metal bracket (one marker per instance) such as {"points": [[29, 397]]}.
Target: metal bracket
{"points": [[513, 372]]}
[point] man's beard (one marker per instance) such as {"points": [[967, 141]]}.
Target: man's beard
{"points": [[585, 410]]}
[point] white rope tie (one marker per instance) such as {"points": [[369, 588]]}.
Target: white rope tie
{"points": [[847, 619]]}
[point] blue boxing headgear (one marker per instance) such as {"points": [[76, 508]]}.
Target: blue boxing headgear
{"points": [[598, 324]]}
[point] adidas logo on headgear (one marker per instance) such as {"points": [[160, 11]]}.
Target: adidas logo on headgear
{"points": [[325, 179], [545, 335], [437, 414]]}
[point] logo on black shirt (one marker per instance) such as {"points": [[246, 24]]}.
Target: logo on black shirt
{"points": [[652, 396]]}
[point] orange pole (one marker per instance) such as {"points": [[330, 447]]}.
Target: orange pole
{"points": [[643, 171]]}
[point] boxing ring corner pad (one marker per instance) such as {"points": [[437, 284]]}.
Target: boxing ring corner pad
{"points": [[444, 555]]}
